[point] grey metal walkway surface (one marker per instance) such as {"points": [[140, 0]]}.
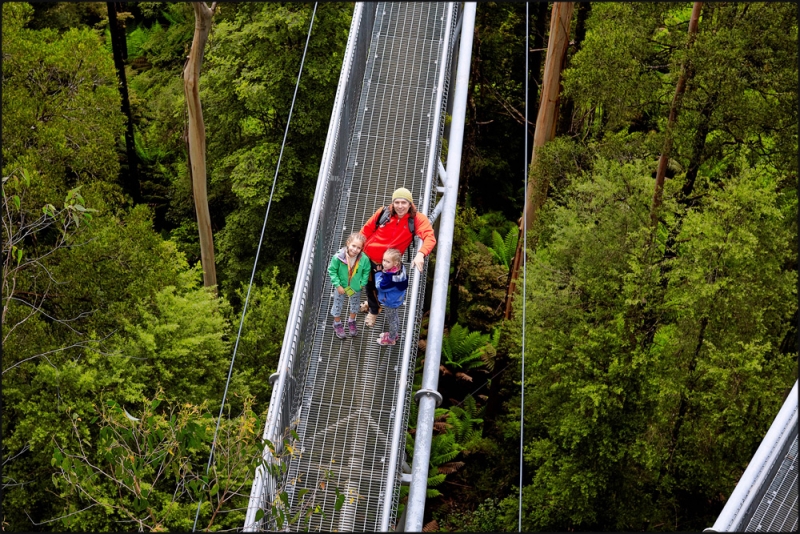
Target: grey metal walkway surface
{"points": [[345, 396], [776, 509]]}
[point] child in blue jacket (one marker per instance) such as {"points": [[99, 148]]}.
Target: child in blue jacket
{"points": [[391, 283], [349, 271]]}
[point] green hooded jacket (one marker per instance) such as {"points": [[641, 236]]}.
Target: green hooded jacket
{"points": [[338, 270]]}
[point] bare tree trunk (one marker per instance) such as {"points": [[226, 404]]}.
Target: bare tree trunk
{"points": [[568, 105], [197, 138], [120, 52], [535, 57], [545, 128], [673, 114]]}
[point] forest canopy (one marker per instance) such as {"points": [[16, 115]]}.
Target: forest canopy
{"points": [[656, 355]]}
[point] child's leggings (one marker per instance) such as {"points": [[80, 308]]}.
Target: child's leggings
{"points": [[393, 320], [338, 303]]}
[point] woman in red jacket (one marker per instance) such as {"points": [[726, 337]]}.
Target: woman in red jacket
{"points": [[394, 233]]}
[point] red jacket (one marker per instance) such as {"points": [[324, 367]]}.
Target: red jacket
{"points": [[395, 234]]}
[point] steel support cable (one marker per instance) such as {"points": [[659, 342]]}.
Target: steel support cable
{"points": [[524, 278], [255, 261]]}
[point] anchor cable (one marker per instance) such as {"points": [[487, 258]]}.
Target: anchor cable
{"points": [[524, 278]]}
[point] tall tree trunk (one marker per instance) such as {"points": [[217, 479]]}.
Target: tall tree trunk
{"points": [[698, 150], [545, 128], [568, 105], [686, 73], [119, 48], [197, 137], [535, 56]]}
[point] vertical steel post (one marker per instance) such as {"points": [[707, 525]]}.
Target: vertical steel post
{"points": [[428, 396]]}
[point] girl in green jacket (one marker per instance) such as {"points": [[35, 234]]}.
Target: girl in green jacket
{"points": [[349, 272]]}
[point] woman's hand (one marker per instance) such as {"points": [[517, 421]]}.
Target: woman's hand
{"points": [[419, 261], [340, 289]]}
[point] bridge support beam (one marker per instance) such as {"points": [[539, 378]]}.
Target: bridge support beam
{"points": [[441, 279]]}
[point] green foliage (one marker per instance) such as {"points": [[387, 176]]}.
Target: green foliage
{"points": [[630, 355], [249, 78], [462, 349], [478, 283], [485, 518], [61, 112], [652, 367], [742, 91], [150, 470], [503, 249], [262, 335], [466, 422], [493, 168]]}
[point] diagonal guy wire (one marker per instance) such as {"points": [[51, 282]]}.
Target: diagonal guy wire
{"points": [[255, 262]]}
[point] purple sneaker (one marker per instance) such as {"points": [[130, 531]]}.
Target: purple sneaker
{"points": [[338, 329], [351, 328]]}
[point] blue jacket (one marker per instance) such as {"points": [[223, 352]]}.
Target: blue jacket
{"points": [[391, 287]]}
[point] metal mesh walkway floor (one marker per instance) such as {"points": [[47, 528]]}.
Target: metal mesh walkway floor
{"points": [[349, 398], [776, 511]]}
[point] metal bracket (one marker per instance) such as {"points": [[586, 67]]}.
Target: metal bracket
{"points": [[273, 378], [437, 211], [428, 392]]}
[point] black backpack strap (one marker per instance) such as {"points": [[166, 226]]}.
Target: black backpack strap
{"points": [[412, 229], [384, 218]]}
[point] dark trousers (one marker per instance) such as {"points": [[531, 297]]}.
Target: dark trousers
{"points": [[372, 291]]}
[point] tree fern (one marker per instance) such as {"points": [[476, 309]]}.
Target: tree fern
{"points": [[466, 422], [490, 350], [135, 40], [443, 449], [463, 349], [503, 250]]}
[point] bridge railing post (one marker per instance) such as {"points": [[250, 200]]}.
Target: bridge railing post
{"points": [[428, 396]]}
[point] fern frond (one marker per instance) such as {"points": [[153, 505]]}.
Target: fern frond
{"points": [[135, 40], [433, 526], [511, 240], [444, 457], [488, 356], [498, 248], [440, 426], [435, 480]]}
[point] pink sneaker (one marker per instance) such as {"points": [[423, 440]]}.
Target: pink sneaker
{"points": [[385, 340], [352, 330]]}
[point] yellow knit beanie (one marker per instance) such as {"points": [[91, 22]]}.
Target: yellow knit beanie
{"points": [[402, 193]]}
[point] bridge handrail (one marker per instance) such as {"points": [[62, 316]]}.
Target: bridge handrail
{"points": [[290, 365]]}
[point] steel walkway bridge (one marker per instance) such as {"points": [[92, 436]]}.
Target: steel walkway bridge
{"points": [[339, 408], [765, 499]]}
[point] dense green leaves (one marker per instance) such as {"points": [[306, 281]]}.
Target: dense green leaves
{"points": [[655, 357], [630, 356]]}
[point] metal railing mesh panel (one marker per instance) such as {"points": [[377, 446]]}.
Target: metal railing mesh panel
{"points": [[295, 355], [777, 509], [344, 401]]}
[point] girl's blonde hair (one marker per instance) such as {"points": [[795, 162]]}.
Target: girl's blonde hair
{"points": [[394, 256], [356, 236]]}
